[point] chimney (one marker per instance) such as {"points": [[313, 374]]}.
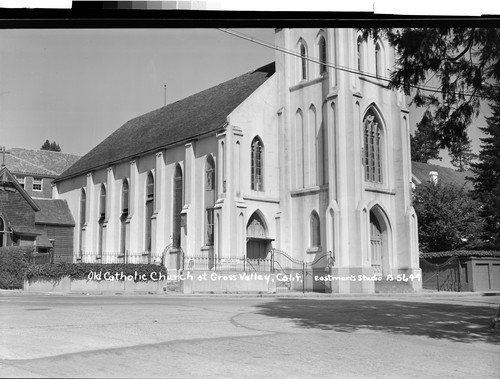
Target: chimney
{"points": [[433, 177]]}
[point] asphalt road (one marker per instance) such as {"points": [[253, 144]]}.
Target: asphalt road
{"points": [[224, 336]]}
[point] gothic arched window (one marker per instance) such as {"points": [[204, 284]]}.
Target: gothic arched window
{"points": [[359, 53], [322, 54], [83, 219], [257, 164], [372, 148], [124, 216], [177, 206], [150, 198], [209, 200], [303, 61], [102, 218], [315, 230], [378, 60]]}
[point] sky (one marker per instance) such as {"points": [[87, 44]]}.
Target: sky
{"points": [[77, 86]]}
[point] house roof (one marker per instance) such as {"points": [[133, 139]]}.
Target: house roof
{"points": [[200, 114], [445, 174], [8, 182], [38, 162], [54, 212]]}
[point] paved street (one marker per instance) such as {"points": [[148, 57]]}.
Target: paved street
{"points": [[246, 336]]}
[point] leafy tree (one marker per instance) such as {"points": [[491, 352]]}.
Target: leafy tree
{"points": [[425, 143], [461, 154], [487, 175], [464, 61], [51, 146], [448, 218]]}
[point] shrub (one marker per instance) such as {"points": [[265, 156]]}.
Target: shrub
{"points": [[13, 264], [82, 270]]}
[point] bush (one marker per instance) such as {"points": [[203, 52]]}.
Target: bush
{"points": [[82, 270], [13, 264]]}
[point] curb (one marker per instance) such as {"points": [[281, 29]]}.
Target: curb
{"points": [[431, 294]]}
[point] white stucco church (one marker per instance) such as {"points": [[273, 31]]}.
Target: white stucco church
{"points": [[309, 155]]}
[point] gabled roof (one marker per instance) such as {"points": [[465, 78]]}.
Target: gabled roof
{"points": [[38, 162], [8, 181], [446, 175], [197, 115], [54, 212]]}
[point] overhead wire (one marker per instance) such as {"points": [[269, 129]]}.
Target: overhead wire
{"points": [[336, 66]]}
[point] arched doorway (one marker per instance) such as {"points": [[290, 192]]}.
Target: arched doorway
{"points": [[258, 243], [379, 242]]}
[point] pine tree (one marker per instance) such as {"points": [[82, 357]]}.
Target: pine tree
{"points": [[487, 174], [425, 143], [50, 146], [461, 154], [464, 61]]}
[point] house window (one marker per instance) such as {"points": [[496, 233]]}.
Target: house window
{"points": [[3, 233], [303, 61], [21, 180], [124, 216], [378, 60], [37, 184], [322, 54], [257, 180], [150, 197], [315, 230], [209, 201], [372, 149], [102, 218]]}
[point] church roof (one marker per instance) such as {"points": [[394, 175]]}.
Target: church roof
{"points": [[38, 162], [54, 212], [197, 115], [446, 175]]}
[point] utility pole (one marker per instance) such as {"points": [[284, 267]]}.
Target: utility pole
{"points": [[164, 94]]}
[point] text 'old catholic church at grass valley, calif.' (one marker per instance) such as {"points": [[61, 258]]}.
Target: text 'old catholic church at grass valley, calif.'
{"points": [[309, 155]]}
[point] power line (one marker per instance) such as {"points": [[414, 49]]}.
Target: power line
{"points": [[337, 67]]}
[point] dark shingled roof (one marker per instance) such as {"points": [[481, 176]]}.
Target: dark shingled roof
{"points": [[446, 175], [38, 162], [54, 212], [199, 114]]}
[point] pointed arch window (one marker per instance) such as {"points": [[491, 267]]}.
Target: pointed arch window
{"points": [[150, 198], [177, 207], [322, 54], [124, 216], [209, 200], [83, 206], [378, 60], [315, 230], [102, 219], [303, 61], [257, 164], [359, 53], [372, 148]]}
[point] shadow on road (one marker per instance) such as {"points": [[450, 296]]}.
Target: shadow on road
{"points": [[459, 323]]}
